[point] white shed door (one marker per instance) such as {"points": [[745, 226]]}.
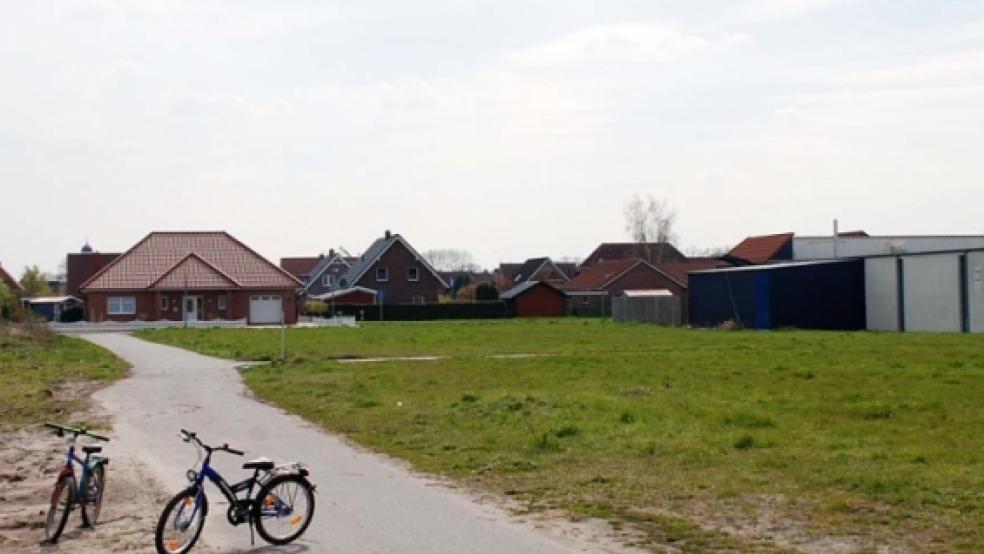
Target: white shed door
{"points": [[265, 308]]}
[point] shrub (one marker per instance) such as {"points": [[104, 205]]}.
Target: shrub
{"points": [[486, 292], [315, 308]]}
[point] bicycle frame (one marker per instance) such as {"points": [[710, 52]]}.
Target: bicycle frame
{"points": [[68, 470]]}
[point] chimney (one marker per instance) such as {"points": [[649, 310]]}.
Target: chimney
{"points": [[331, 252], [388, 234]]}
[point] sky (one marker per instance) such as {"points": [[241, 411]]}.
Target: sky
{"points": [[510, 129]]}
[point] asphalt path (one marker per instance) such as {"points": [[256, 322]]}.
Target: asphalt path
{"points": [[366, 503]]}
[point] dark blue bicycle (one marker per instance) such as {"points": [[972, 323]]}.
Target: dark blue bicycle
{"points": [[87, 492], [280, 511]]}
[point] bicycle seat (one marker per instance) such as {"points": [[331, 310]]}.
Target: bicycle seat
{"points": [[260, 463], [91, 448]]}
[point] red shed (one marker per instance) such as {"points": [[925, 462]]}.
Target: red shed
{"points": [[535, 299]]}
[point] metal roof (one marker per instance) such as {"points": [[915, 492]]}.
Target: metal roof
{"points": [[771, 267], [646, 293]]}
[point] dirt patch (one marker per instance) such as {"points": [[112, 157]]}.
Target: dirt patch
{"points": [[31, 458]]}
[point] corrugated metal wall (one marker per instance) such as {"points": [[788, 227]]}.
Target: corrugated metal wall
{"points": [[822, 248], [931, 292], [975, 291], [881, 293], [939, 292]]}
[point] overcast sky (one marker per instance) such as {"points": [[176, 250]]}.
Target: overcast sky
{"points": [[508, 128]]}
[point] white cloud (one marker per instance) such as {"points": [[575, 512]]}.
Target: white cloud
{"points": [[770, 10], [624, 42]]}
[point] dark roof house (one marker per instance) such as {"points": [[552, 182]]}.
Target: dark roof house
{"points": [[393, 268], [300, 266], [191, 276], [652, 252]]}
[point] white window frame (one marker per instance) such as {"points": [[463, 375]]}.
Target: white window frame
{"points": [[221, 302], [418, 299], [416, 274], [327, 280], [125, 305], [385, 274], [165, 303]]}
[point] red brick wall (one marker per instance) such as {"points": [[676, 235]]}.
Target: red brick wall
{"points": [[399, 289], [643, 277], [79, 267], [149, 305], [540, 301]]}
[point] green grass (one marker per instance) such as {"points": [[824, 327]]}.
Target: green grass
{"points": [[35, 363], [860, 434]]}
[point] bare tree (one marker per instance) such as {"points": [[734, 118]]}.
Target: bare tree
{"points": [[712, 252], [451, 259], [650, 220]]}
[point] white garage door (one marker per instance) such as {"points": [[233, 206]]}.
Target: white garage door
{"points": [[265, 308]]}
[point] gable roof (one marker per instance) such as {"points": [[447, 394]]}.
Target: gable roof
{"points": [[11, 283], [192, 272], [608, 251], [525, 286], [300, 266], [323, 265], [216, 253], [528, 269], [376, 251], [601, 274], [760, 249]]}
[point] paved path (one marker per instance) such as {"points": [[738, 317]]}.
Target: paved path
{"points": [[365, 502]]}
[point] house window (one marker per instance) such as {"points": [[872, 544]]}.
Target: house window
{"points": [[585, 300], [165, 303], [121, 305], [328, 280], [419, 299], [220, 302], [382, 274], [413, 274]]}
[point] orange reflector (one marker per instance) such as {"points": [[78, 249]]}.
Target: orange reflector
{"points": [[269, 501], [296, 520], [173, 544], [187, 501]]}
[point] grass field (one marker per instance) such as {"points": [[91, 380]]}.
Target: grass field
{"points": [[35, 363], [706, 440]]}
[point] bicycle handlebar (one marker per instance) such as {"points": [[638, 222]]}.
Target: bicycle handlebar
{"points": [[191, 435], [77, 432]]}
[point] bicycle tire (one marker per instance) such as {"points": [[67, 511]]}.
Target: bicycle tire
{"points": [[187, 498], [59, 509], [91, 502], [275, 489]]}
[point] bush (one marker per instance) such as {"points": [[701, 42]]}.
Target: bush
{"points": [[8, 302], [315, 308], [486, 292]]}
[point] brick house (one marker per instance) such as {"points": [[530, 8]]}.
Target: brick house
{"points": [[191, 276], [592, 290], [535, 299], [300, 267], [395, 271], [327, 273], [79, 267], [534, 269]]}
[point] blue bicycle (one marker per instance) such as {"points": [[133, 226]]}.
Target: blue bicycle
{"points": [[281, 510], [87, 493]]}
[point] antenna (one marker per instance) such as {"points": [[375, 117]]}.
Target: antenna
{"points": [[836, 238]]}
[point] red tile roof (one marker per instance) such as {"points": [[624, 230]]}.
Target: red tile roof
{"points": [[600, 274], [301, 266], [11, 283], [679, 270], [761, 249], [204, 258]]}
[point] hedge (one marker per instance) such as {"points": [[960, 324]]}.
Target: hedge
{"points": [[421, 312]]}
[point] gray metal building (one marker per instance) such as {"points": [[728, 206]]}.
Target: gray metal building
{"points": [[937, 291], [855, 246]]}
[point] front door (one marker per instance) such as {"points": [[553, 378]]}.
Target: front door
{"points": [[192, 308]]}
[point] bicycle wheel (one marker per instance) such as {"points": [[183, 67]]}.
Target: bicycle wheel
{"points": [[181, 522], [283, 508], [92, 497], [61, 504]]}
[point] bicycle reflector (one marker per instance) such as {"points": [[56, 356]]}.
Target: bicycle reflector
{"points": [[191, 475], [305, 472]]}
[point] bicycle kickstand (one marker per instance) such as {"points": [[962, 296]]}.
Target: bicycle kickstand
{"points": [[252, 539]]}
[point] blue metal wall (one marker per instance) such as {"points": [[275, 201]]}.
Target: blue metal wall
{"points": [[816, 296]]}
